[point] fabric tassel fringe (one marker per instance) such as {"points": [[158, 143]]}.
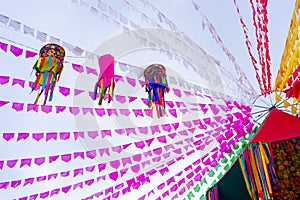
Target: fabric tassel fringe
{"points": [[102, 89], [213, 193], [258, 170]]}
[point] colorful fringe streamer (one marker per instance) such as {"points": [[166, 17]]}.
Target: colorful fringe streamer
{"points": [[156, 86], [213, 193], [106, 79], [48, 68], [258, 170]]}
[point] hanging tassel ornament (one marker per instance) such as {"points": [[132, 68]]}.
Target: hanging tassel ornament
{"points": [[106, 79], [48, 69], [156, 86]]}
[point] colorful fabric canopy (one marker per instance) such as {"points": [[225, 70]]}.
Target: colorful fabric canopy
{"points": [[278, 126]]}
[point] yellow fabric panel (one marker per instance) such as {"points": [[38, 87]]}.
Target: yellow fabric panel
{"points": [[293, 109], [290, 56], [277, 98], [47, 67], [286, 103]]}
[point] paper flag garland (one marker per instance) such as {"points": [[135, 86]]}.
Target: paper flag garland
{"points": [[174, 187], [48, 69], [156, 86], [260, 22], [106, 78]]}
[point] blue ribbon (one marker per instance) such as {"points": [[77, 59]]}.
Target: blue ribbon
{"points": [[50, 61], [45, 79], [95, 91], [154, 87]]}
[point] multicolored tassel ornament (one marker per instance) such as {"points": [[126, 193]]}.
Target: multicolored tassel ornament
{"points": [[106, 79], [48, 69], [156, 86]]}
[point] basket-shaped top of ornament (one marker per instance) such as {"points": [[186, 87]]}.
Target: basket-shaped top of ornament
{"points": [[53, 50], [51, 58], [156, 74]]}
